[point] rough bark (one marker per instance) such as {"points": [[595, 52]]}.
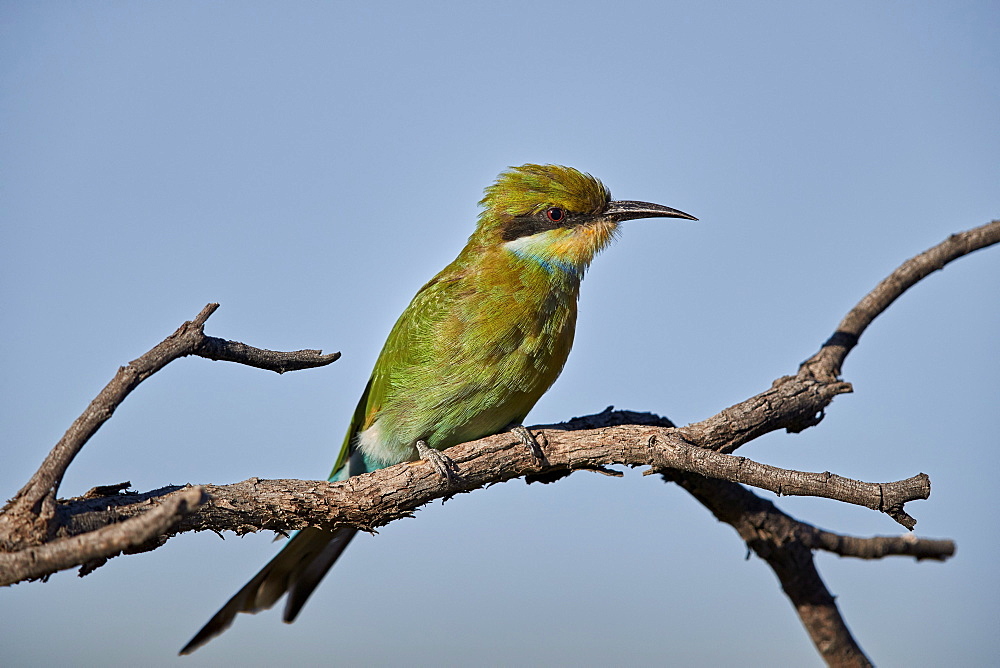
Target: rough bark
{"points": [[40, 535]]}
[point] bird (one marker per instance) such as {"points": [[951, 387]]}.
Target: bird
{"points": [[473, 352]]}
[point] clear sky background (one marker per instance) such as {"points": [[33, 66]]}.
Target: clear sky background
{"points": [[311, 165]]}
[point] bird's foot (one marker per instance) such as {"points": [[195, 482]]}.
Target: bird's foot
{"points": [[441, 463], [529, 441]]}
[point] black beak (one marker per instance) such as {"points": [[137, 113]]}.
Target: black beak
{"points": [[628, 210]]}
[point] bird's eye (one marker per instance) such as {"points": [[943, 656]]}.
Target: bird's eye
{"points": [[555, 214]]}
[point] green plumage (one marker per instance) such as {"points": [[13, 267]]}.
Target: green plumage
{"points": [[470, 356], [485, 338]]}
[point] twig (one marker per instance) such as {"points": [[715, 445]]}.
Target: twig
{"points": [[886, 497], [827, 363], [270, 360], [28, 518], [876, 547]]}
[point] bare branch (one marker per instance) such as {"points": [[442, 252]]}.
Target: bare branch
{"points": [[877, 547], [89, 530], [375, 499], [775, 538], [793, 403], [786, 545], [887, 497], [270, 360], [28, 518], [108, 541], [827, 363]]}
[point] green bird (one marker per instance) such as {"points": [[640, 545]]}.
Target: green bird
{"points": [[469, 357]]}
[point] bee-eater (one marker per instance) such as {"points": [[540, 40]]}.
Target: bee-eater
{"points": [[469, 357]]}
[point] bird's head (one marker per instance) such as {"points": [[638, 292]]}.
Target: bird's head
{"points": [[556, 216]]}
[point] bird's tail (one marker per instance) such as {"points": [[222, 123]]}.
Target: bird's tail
{"points": [[297, 569]]}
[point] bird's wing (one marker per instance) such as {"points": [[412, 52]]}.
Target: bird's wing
{"points": [[406, 345]]}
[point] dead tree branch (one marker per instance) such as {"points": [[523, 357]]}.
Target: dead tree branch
{"points": [[40, 535], [29, 518], [101, 544], [778, 539], [373, 500], [827, 363]]}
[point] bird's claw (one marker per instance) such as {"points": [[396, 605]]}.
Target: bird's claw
{"points": [[529, 441], [441, 463]]}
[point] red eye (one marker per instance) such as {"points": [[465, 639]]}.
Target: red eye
{"points": [[555, 214]]}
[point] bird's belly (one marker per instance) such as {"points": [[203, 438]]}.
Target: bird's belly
{"points": [[470, 392]]}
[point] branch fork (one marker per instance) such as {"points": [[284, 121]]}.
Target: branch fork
{"points": [[40, 535]]}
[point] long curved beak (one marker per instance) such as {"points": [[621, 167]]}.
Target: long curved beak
{"points": [[629, 210]]}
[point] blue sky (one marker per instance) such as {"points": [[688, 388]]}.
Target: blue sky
{"points": [[311, 165]]}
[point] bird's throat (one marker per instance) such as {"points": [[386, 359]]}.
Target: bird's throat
{"points": [[564, 250]]}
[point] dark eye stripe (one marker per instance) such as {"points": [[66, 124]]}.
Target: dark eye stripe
{"points": [[533, 223]]}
